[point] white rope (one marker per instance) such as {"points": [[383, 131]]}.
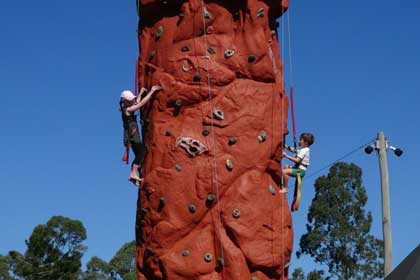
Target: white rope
{"points": [[290, 48], [285, 194], [204, 10]]}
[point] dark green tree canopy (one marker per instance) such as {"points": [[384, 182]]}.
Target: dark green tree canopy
{"points": [[54, 251], [338, 226]]}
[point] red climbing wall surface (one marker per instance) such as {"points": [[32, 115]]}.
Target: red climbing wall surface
{"points": [[210, 207]]}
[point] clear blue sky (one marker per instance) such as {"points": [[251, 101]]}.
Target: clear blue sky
{"points": [[63, 64]]}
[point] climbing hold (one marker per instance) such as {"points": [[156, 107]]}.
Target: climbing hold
{"points": [[206, 13], [232, 141], [181, 15], [287, 265], [185, 253], [271, 189], [144, 210], [178, 103], [159, 32], [208, 257], [218, 114], [162, 201], [211, 197], [165, 2], [197, 77], [236, 213], [220, 262], [255, 278], [262, 136], [229, 53], [211, 50], [236, 15], [168, 133], [186, 68], [152, 55], [185, 49], [260, 12], [251, 58], [192, 146], [178, 168], [229, 165], [192, 208]]}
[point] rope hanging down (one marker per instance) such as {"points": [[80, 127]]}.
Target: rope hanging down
{"points": [[215, 180]]}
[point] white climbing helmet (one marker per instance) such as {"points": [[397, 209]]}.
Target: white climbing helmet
{"points": [[127, 95]]}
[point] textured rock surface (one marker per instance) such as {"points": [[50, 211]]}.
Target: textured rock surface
{"points": [[214, 136]]}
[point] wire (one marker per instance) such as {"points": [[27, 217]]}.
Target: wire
{"points": [[340, 159]]}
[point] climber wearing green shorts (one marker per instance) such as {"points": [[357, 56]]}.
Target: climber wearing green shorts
{"points": [[301, 159]]}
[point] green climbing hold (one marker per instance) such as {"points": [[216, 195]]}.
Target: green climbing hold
{"points": [[229, 165], [144, 210], [236, 213], [168, 133], [211, 197], [178, 103], [208, 257], [232, 141], [260, 12], [251, 58], [197, 77], [185, 253], [159, 32], [205, 132], [255, 278], [178, 167], [229, 53], [262, 136], [152, 55], [271, 189], [185, 49], [211, 50], [218, 114], [192, 208]]}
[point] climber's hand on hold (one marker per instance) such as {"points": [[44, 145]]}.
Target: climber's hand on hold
{"points": [[156, 88]]}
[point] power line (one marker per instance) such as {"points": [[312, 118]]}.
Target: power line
{"points": [[340, 159]]}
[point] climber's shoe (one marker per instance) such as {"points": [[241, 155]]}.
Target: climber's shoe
{"points": [[284, 190], [136, 180]]}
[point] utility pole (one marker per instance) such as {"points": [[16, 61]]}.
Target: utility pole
{"points": [[382, 146]]}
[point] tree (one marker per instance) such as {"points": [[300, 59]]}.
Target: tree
{"points": [[54, 251], [124, 261], [98, 269], [338, 226], [5, 267], [121, 267], [298, 274]]}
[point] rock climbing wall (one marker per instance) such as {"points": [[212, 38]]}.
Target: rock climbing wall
{"points": [[210, 207]]}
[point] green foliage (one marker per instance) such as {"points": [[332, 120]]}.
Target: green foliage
{"points": [[5, 273], [121, 267], [298, 274], [54, 251], [124, 261], [338, 227], [98, 269]]}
